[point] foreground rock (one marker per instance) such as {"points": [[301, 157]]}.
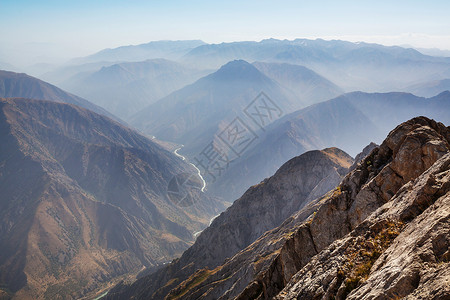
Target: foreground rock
{"points": [[382, 233], [263, 207], [401, 250]]}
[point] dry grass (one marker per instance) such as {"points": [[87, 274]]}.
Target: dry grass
{"points": [[362, 257]]}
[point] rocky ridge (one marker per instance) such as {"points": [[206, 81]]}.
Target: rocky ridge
{"points": [[393, 206], [263, 207], [400, 251], [408, 151]]}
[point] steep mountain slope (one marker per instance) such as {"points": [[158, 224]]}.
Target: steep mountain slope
{"points": [[193, 114], [21, 85], [84, 201], [306, 84], [389, 218], [156, 49], [126, 88], [401, 249], [349, 122], [261, 208]]}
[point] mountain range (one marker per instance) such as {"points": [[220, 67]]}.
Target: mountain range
{"points": [[352, 66], [126, 88], [346, 66], [201, 114], [92, 207], [157, 49], [195, 113]]}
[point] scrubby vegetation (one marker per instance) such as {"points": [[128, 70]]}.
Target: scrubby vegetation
{"points": [[362, 256]]}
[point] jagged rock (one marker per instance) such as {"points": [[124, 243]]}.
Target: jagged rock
{"points": [[320, 251], [361, 192], [263, 207], [401, 250], [360, 156]]}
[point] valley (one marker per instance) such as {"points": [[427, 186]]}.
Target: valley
{"points": [[186, 150]]}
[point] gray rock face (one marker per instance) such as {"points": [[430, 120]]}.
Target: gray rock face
{"points": [[360, 156], [401, 250], [262, 208], [381, 234], [373, 183], [405, 223], [273, 264]]}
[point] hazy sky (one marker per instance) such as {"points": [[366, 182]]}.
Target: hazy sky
{"points": [[45, 30]]}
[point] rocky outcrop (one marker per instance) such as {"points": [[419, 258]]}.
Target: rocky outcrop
{"points": [[328, 246], [407, 152], [262, 208], [399, 251]]}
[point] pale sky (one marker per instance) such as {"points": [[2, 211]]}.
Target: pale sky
{"points": [[50, 30]]}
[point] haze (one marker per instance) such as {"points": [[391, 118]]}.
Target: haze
{"points": [[55, 31]]}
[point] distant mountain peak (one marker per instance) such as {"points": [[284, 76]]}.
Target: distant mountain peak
{"points": [[444, 94], [238, 70]]}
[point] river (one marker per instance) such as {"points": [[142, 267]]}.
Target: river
{"points": [[198, 170]]}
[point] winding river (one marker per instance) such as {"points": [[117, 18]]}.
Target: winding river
{"points": [[198, 170]]}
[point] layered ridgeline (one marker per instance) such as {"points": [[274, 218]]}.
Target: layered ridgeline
{"points": [[382, 233], [261, 208], [304, 83], [133, 53], [429, 88], [209, 110], [23, 86], [348, 122], [196, 113], [84, 201], [126, 88], [352, 66], [203, 115]]}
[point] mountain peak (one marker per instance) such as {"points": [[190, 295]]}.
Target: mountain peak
{"points": [[443, 94], [238, 70]]}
